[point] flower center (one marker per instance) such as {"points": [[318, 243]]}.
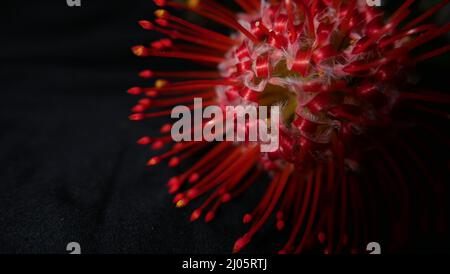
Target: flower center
{"points": [[312, 75]]}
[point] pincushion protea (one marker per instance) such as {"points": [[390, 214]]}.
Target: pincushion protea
{"points": [[339, 71]]}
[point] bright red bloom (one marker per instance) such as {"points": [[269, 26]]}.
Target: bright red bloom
{"points": [[339, 70]]}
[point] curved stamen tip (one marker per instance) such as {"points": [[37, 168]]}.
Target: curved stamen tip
{"points": [[151, 93], [240, 244], [282, 252], [160, 83], [193, 3], [134, 91], [145, 102], [247, 218], [163, 23], [226, 198], [178, 197], [173, 162], [136, 117], [173, 181], [192, 193], [146, 74], [195, 215], [160, 3], [173, 189], [166, 128], [144, 140], [174, 185], [139, 50], [209, 216], [181, 203], [153, 161], [157, 145], [321, 237], [138, 109], [194, 177], [161, 13], [146, 24]]}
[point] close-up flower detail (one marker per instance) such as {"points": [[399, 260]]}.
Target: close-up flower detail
{"points": [[355, 131]]}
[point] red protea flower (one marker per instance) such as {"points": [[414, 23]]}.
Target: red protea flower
{"points": [[339, 71]]}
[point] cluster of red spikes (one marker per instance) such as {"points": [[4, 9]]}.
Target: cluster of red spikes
{"points": [[337, 67]]}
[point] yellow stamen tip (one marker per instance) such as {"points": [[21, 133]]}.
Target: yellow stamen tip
{"points": [[160, 13], [139, 51], [193, 3], [180, 203], [160, 83]]}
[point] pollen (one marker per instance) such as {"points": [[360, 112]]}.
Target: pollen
{"points": [[181, 203], [160, 83], [160, 13], [139, 50]]}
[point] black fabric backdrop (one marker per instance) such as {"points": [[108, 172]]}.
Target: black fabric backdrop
{"points": [[69, 166]]}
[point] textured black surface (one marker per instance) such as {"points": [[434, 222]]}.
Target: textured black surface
{"points": [[69, 167]]}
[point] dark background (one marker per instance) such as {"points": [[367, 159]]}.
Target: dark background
{"points": [[69, 166]]}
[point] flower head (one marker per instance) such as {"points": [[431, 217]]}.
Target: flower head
{"points": [[339, 72]]}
